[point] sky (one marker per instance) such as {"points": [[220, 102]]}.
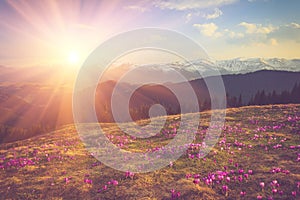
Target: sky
{"points": [[58, 33]]}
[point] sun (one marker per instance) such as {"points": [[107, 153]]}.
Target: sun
{"points": [[73, 57]]}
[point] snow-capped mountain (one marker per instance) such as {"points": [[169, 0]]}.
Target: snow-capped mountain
{"points": [[161, 73], [241, 65]]}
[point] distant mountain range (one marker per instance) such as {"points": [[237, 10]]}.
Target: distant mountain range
{"points": [[42, 75], [41, 98], [161, 73], [242, 66], [245, 86], [158, 73]]}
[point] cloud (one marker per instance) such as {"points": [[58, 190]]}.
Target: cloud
{"points": [[190, 4], [250, 28], [188, 17], [287, 32], [252, 1], [253, 34], [258, 34], [209, 29], [294, 25], [217, 13], [233, 35], [136, 8], [257, 28]]}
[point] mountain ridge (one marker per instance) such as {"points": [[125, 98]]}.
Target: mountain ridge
{"points": [[195, 69]]}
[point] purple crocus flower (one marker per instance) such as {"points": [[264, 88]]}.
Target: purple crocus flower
{"points": [[114, 182], [225, 188], [129, 174], [187, 176], [196, 181], [240, 178], [196, 175], [174, 194], [242, 193], [104, 187], [88, 181]]}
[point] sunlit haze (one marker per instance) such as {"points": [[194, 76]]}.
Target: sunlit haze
{"points": [[51, 33]]}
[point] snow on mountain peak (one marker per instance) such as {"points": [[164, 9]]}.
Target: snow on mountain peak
{"points": [[192, 69]]}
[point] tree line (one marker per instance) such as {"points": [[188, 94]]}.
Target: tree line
{"points": [[265, 98], [138, 112], [11, 134]]}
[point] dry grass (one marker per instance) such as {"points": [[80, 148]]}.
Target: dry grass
{"points": [[61, 155]]}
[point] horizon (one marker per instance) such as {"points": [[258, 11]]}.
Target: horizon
{"points": [[117, 64]]}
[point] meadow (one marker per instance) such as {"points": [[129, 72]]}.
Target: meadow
{"points": [[257, 157]]}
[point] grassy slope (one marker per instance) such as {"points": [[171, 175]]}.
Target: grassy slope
{"points": [[250, 141]]}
